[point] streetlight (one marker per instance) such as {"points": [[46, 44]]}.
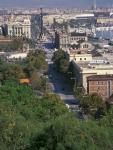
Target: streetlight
{"points": [[48, 85], [75, 85], [69, 72]]}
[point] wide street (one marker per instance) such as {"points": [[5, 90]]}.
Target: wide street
{"points": [[59, 84]]}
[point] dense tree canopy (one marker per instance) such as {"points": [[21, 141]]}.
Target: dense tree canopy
{"points": [[58, 55], [63, 66], [67, 133], [22, 114], [28, 122], [38, 82], [33, 68], [14, 71], [10, 71], [92, 104], [60, 61], [78, 91], [36, 65], [37, 60]]}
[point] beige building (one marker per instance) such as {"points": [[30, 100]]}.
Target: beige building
{"points": [[64, 40], [82, 53], [79, 57], [86, 46], [48, 19], [86, 69], [105, 20], [19, 26], [60, 18]]}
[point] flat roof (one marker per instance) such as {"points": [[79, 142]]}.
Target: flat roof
{"points": [[78, 34], [100, 77], [84, 65]]}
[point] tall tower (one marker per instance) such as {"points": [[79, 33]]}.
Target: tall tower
{"points": [[94, 5], [41, 23]]}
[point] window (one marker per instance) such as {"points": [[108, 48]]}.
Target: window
{"points": [[98, 88], [85, 46], [98, 82], [80, 58], [84, 58]]}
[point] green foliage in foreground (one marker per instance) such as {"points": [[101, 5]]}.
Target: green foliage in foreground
{"points": [[78, 91], [93, 105], [67, 133], [22, 114], [28, 122], [10, 71]]}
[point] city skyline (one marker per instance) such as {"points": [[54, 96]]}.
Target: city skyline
{"points": [[54, 3]]}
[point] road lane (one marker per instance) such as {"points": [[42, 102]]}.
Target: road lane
{"points": [[61, 87]]}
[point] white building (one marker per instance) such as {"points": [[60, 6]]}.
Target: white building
{"points": [[17, 55], [19, 27]]}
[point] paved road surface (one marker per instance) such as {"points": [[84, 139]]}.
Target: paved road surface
{"points": [[60, 86], [58, 82]]}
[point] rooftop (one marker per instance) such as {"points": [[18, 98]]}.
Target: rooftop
{"points": [[100, 77], [78, 34], [86, 66]]}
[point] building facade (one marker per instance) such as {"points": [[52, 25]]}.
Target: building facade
{"points": [[64, 40], [20, 29], [79, 57], [101, 84], [84, 69]]}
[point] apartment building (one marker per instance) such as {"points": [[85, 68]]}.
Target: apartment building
{"points": [[101, 84], [84, 69], [64, 40]]}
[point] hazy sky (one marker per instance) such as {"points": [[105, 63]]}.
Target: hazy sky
{"points": [[53, 3]]}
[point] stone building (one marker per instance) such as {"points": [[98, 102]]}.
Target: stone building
{"points": [[102, 84], [19, 26], [20, 29], [64, 40]]}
